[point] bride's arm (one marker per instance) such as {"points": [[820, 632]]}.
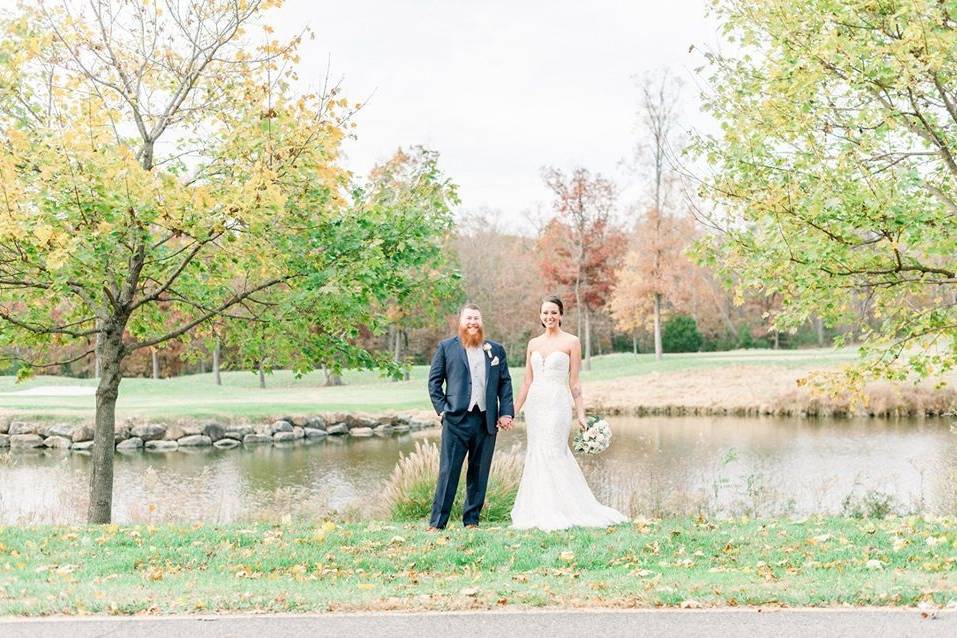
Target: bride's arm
{"points": [[526, 382], [574, 382]]}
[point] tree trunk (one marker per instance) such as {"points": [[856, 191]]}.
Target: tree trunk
{"points": [[332, 378], [819, 324], [777, 340], [587, 338], [658, 349], [219, 380], [262, 376], [395, 335], [109, 351], [97, 361], [156, 363], [634, 342], [407, 375], [578, 310], [202, 365]]}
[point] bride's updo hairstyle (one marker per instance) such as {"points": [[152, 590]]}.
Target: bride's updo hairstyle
{"points": [[558, 302]]}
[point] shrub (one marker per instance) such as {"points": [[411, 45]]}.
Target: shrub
{"points": [[408, 493], [680, 334], [872, 504]]}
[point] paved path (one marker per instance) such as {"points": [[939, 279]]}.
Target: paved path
{"points": [[866, 623]]}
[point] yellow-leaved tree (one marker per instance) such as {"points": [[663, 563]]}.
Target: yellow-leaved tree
{"points": [[159, 172]]}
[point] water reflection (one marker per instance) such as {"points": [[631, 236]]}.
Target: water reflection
{"points": [[656, 466]]}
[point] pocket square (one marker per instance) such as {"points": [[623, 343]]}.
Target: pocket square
{"points": [[494, 361]]}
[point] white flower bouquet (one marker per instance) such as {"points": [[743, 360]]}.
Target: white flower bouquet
{"points": [[595, 438]]}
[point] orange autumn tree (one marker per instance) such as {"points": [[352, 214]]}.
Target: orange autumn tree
{"points": [[657, 276]]}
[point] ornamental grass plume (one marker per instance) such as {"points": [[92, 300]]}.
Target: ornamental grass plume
{"points": [[408, 493]]}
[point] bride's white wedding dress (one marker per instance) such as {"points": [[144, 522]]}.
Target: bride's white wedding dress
{"points": [[553, 493]]}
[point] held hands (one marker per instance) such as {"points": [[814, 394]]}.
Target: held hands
{"points": [[505, 423]]}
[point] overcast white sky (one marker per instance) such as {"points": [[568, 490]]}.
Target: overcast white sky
{"points": [[500, 87]]}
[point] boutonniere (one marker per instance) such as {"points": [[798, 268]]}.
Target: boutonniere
{"points": [[488, 349]]}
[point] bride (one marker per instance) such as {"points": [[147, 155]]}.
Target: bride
{"points": [[553, 493]]}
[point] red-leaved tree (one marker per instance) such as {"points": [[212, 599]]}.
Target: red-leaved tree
{"points": [[580, 248]]}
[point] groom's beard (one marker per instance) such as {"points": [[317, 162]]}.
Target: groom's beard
{"points": [[469, 340]]}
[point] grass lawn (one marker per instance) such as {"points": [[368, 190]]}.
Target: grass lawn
{"points": [[379, 565], [240, 396]]}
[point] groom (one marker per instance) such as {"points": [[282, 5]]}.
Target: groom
{"points": [[475, 403]]}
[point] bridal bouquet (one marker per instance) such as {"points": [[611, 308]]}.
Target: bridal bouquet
{"points": [[595, 438]]}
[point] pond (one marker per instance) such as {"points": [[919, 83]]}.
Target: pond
{"points": [[719, 466]]}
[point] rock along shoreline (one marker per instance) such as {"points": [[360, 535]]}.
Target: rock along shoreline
{"points": [[137, 435]]}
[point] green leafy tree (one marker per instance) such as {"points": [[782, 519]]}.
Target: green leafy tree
{"points": [[158, 174], [836, 167], [680, 334], [412, 190]]}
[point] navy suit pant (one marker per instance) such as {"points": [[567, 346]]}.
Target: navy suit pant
{"points": [[468, 437]]}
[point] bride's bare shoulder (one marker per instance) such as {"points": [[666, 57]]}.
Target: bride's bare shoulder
{"points": [[570, 339]]}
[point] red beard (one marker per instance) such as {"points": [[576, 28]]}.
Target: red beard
{"points": [[471, 341]]}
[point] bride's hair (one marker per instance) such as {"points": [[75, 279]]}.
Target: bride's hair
{"points": [[558, 302]]}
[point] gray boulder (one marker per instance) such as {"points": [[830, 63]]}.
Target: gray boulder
{"points": [[215, 431], [360, 421], [361, 432], [191, 429], [122, 432], [4, 427], [226, 443], [82, 446], [195, 440], [19, 427], [298, 432], [299, 421], [280, 426], [82, 433], [313, 433], [25, 441], [337, 428], [60, 442], [148, 431], [283, 437], [162, 445], [238, 432], [402, 428], [132, 443], [4, 440], [174, 431], [316, 423], [257, 439]]}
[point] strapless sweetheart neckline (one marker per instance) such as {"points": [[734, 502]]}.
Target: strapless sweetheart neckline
{"points": [[546, 356]]}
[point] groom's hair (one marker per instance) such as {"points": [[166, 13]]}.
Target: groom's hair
{"points": [[469, 306]]}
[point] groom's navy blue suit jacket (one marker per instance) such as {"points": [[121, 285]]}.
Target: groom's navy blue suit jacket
{"points": [[450, 366]]}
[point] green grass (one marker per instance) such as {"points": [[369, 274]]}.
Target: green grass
{"points": [[240, 396], [379, 565]]}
